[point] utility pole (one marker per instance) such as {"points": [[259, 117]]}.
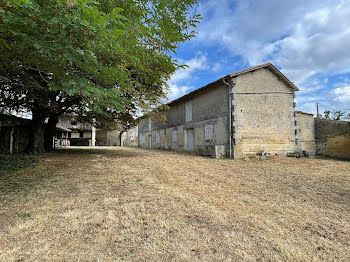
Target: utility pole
{"points": [[318, 114]]}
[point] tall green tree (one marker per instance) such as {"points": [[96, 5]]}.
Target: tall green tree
{"points": [[100, 58]]}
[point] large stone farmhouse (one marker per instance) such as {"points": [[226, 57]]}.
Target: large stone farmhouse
{"points": [[240, 114]]}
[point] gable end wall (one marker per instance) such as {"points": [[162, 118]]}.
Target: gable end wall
{"points": [[263, 114]]}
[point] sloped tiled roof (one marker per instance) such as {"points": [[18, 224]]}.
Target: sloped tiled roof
{"points": [[268, 65], [301, 112]]}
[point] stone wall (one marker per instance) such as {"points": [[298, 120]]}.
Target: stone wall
{"points": [[108, 138], [132, 137], [332, 138], [305, 133], [101, 137], [263, 114]]}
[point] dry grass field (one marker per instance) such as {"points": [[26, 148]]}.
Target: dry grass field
{"points": [[122, 204]]}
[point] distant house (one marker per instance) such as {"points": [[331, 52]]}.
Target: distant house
{"points": [[70, 132], [240, 114], [75, 133]]}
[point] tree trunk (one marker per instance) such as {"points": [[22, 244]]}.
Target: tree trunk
{"points": [[36, 142], [50, 132]]}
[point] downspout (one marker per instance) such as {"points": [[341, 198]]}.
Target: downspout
{"points": [[229, 88]]}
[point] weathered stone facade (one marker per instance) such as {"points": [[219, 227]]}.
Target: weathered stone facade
{"points": [[131, 137], [108, 137], [305, 133], [263, 114], [254, 107], [209, 111]]}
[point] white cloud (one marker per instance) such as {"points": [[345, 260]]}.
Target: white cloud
{"points": [[178, 90], [310, 108], [308, 40], [342, 95], [319, 43], [181, 80], [196, 63], [302, 37], [216, 67]]}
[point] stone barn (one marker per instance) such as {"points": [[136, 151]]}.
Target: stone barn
{"points": [[238, 115]]}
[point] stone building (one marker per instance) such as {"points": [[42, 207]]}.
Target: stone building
{"points": [[237, 115], [84, 134], [77, 134]]}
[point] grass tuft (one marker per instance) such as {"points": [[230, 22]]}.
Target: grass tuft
{"points": [[24, 215]]}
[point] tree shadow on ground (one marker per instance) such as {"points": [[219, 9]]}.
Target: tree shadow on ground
{"points": [[11, 163], [105, 151]]}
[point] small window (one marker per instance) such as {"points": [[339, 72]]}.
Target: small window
{"points": [[174, 136], [209, 132], [188, 111], [75, 134], [87, 134], [158, 138]]}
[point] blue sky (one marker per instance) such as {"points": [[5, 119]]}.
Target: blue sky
{"points": [[309, 41]]}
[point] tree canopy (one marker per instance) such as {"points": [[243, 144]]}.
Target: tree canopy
{"points": [[102, 59]]}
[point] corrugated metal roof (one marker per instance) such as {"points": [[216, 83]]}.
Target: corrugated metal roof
{"points": [[268, 65]]}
